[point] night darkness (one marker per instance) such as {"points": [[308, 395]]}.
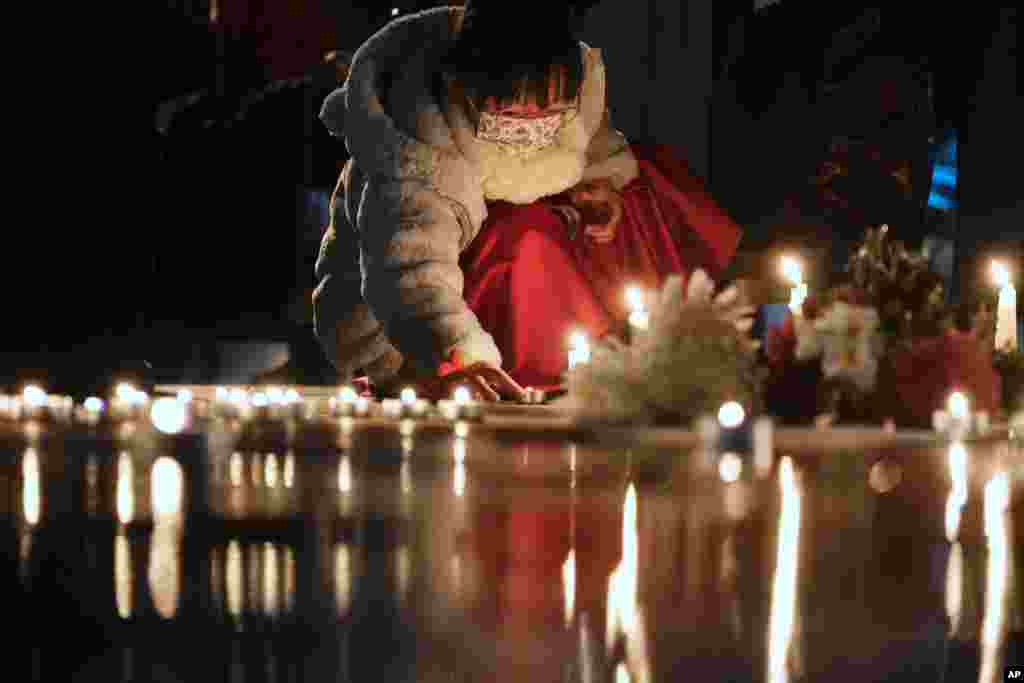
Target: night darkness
{"points": [[152, 247]]}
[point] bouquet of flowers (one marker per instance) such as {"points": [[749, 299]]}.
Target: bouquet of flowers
{"points": [[881, 346]]}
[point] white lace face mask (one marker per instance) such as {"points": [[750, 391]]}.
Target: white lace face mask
{"points": [[518, 134]]}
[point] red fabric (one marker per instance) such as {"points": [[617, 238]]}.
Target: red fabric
{"points": [[531, 285], [919, 380]]}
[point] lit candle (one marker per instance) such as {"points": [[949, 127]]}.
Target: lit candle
{"points": [[955, 421], [34, 400], [639, 318], [460, 407], [349, 404], [407, 405], [793, 272], [580, 351], [1006, 313]]}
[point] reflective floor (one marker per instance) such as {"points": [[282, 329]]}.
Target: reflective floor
{"points": [[325, 553]]}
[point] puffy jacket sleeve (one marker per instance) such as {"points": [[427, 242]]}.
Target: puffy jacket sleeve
{"points": [[352, 337], [411, 237]]}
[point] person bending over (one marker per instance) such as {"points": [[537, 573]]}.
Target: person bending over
{"points": [[489, 207]]}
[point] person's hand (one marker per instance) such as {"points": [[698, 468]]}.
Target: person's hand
{"points": [[598, 198], [485, 382]]}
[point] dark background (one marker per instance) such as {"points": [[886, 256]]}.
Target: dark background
{"points": [[156, 237]]}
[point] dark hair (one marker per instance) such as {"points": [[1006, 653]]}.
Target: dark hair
{"points": [[513, 54]]}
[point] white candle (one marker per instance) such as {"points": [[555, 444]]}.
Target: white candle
{"points": [[793, 272], [580, 351], [1006, 313], [407, 405], [639, 318], [460, 407]]}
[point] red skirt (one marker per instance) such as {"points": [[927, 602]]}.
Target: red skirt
{"points": [[531, 284]]}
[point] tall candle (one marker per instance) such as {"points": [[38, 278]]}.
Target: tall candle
{"points": [[793, 272], [1006, 313]]}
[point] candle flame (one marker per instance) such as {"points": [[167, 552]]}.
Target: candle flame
{"points": [[33, 396], [169, 415], [236, 467], [731, 415], [1000, 274], [408, 396], [462, 395], [783, 607], [347, 395], [635, 298], [125, 392], [275, 395], [959, 405], [792, 270]]}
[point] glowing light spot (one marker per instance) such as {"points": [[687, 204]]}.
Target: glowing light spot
{"points": [[731, 415], [33, 396], [462, 395], [792, 270], [959, 405], [408, 396], [169, 415], [730, 467]]}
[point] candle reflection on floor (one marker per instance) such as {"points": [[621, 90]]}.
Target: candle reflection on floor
{"points": [[167, 490], [234, 582], [997, 500], [624, 617], [342, 579], [124, 577], [783, 607], [957, 459], [569, 585]]}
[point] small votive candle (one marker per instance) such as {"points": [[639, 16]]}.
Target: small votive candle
{"points": [[955, 421], [33, 401], [460, 407], [534, 396], [407, 405], [90, 411], [348, 404]]}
